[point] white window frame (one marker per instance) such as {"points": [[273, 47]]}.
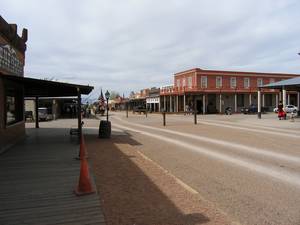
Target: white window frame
{"points": [[260, 82], [233, 82], [203, 81], [178, 83], [183, 82], [272, 80], [246, 82], [218, 82], [190, 82]]}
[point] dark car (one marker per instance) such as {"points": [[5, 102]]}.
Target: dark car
{"points": [[252, 109]]}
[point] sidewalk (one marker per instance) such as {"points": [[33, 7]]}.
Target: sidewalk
{"points": [[37, 179]]}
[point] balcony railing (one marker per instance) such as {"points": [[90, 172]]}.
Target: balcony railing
{"points": [[182, 90]]}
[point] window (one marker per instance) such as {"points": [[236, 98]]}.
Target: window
{"points": [[272, 80], [14, 105], [183, 82], [246, 82], [218, 82], [190, 82], [233, 82], [259, 82], [203, 81], [178, 82]]}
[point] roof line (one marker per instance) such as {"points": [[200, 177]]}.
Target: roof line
{"points": [[236, 72]]}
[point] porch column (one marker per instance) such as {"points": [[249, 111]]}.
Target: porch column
{"points": [[289, 98], [250, 99], [79, 113], [258, 104], [164, 103], [171, 103], [203, 104], [263, 100], [37, 112], [184, 104], [235, 102], [159, 109], [283, 96], [276, 100], [154, 108], [177, 108], [220, 103], [280, 96], [298, 100]]}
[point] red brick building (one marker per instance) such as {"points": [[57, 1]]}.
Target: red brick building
{"points": [[212, 91]]}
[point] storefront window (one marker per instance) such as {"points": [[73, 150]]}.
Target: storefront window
{"points": [[10, 109], [14, 105]]}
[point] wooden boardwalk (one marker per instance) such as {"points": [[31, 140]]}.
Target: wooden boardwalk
{"points": [[37, 179]]}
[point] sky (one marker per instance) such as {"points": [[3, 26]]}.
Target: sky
{"points": [[128, 45]]}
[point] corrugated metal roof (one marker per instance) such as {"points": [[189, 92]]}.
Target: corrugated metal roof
{"points": [[293, 83]]}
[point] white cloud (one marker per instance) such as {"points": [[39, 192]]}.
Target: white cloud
{"points": [[129, 45]]}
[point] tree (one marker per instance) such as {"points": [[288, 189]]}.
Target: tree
{"points": [[131, 95], [114, 95]]}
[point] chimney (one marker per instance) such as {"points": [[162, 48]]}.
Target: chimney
{"points": [[13, 27], [24, 34]]}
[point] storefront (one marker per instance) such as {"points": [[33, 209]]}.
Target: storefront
{"points": [[213, 91], [14, 87], [12, 61]]}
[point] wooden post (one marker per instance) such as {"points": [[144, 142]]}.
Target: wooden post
{"points": [[195, 112], [259, 104], [79, 113], [37, 112], [164, 118]]}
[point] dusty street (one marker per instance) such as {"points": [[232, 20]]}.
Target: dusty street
{"points": [[246, 168], [249, 168]]}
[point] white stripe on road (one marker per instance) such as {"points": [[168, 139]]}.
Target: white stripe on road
{"points": [[273, 172], [255, 126], [236, 146], [252, 129]]}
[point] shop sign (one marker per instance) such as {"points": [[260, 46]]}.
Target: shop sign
{"points": [[9, 61]]}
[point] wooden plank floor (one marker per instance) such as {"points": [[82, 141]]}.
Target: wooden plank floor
{"points": [[37, 179]]}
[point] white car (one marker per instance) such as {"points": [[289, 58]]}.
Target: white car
{"points": [[288, 109], [43, 114]]}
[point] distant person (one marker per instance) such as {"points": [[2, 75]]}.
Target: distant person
{"points": [[187, 109], [281, 113]]}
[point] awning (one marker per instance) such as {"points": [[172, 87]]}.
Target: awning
{"points": [[292, 84], [45, 88]]}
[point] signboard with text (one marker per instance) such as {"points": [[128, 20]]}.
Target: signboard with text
{"points": [[9, 61]]}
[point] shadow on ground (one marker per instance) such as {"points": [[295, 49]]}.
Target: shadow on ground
{"points": [[128, 195]]}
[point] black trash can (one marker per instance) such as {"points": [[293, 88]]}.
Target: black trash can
{"points": [[104, 129]]}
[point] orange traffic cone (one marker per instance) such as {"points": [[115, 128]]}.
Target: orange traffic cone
{"points": [[82, 150], [84, 185]]}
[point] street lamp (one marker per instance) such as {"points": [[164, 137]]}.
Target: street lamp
{"points": [[107, 95]]}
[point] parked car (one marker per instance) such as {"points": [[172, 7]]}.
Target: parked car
{"points": [[288, 109], [43, 114], [228, 111], [139, 109], [28, 115], [252, 109]]}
